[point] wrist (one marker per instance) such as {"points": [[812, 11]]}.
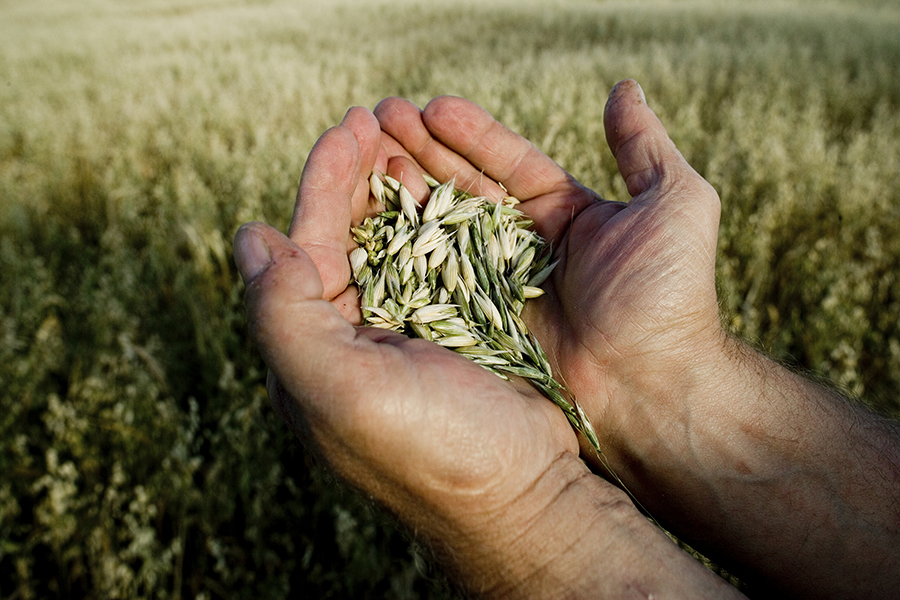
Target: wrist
{"points": [[528, 547], [573, 535], [657, 405]]}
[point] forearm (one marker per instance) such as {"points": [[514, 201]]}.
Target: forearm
{"points": [[794, 486], [587, 541]]}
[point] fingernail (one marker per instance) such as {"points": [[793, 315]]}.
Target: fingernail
{"points": [[251, 253], [641, 92], [626, 83]]}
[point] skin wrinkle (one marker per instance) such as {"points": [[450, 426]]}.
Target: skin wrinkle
{"points": [[591, 351], [453, 486], [355, 447], [658, 162], [692, 244], [325, 182], [536, 483], [603, 336], [428, 142], [492, 128], [550, 185], [637, 135], [560, 463], [520, 158], [521, 498], [538, 571], [477, 140], [513, 166], [562, 187], [663, 178], [312, 235], [394, 134]]}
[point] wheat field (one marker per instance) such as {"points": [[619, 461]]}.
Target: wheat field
{"points": [[138, 455]]}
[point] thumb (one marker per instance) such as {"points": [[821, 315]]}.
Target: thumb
{"points": [[302, 338], [253, 254], [348, 392], [645, 154]]}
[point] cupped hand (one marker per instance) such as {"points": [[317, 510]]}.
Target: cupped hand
{"points": [[455, 450], [632, 303]]}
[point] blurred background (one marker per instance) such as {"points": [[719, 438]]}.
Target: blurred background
{"points": [[139, 457]]}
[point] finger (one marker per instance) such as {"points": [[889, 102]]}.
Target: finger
{"points": [[391, 147], [334, 193], [490, 147], [302, 338], [404, 168], [646, 155], [406, 171], [368, 134], [402, 120]]}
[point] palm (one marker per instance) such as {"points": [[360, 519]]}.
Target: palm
{"points": [[635, 282], [472, 428], [626, 296], [445, 435]]}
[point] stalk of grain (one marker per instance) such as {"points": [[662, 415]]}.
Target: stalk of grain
{"points": [[458, 273]]}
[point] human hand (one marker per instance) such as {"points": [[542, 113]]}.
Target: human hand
{"points": [[632, 302], [468, 461], [775, 476], [485, 471]]}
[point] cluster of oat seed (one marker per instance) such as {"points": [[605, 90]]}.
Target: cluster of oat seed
{"points": [[458, 273]]}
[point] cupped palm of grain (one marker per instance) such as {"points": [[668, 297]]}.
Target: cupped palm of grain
{"points": [[458, 273]]}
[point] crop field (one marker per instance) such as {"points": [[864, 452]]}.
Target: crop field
{"points": [[139, 457]]}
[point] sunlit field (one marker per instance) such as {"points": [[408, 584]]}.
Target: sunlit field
{"points": [[139, 457]]}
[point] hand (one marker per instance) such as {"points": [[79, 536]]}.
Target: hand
{"points": [[439, 440], [484, 470], [632, 302], [773, 474]]}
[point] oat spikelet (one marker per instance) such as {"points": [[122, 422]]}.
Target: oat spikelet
{"points": [[458, 273]]}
